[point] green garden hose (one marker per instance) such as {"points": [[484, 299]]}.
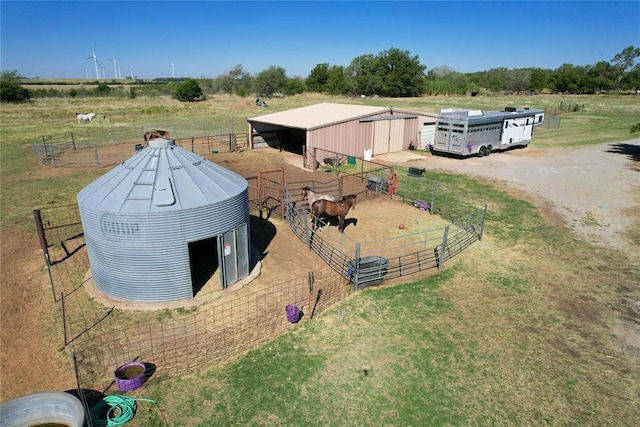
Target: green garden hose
{"points": [[121, 410]]}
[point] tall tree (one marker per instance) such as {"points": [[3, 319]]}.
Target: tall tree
{"points": [[295, 85], [538, 79], [235, 80], [517, 80], [495, 78], [624, 61], [336, 83], [317, 79], [569, 78], [361, 76], [601, 77], [400, 73], [269, 81]]}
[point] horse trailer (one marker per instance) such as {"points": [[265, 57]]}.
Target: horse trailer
{"points": [[474, 132]]}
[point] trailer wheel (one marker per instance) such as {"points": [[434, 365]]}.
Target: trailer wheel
{"points": [[488, 150], [482, 152]]}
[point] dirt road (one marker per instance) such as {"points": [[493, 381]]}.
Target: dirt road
{"points": [[596, 189]]}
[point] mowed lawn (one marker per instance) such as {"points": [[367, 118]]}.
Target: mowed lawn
{"points": [[515, 331]]}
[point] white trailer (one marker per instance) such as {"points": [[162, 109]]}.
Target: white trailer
{"points": [[473, 132]]}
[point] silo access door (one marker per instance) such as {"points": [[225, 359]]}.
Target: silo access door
{"points": [[233, 253]]}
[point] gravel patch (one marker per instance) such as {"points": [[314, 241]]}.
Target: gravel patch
{"points": [[596, 188]]}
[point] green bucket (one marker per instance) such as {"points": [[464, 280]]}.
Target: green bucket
{"points": [[351, 160]]}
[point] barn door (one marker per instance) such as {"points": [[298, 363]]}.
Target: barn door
{"points": [[396, 136], [233, 250], [380, 137], [427, 136]]}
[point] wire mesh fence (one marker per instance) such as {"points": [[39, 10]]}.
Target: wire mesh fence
{"points": [[550, 122], [102, 147], [175, 342]]}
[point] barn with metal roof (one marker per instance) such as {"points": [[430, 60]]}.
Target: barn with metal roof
{"points": [[329, 129]]}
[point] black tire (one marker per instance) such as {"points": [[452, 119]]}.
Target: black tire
{"points": [[482, 152], [488, 151]]}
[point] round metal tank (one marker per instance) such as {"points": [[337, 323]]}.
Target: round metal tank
{"points": [[143, 220]]}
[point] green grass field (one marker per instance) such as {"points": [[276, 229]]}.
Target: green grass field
{"points": [[516, 331]]}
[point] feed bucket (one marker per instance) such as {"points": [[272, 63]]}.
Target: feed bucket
{"points": [[130, 376], [293, 313], [351, 160]]}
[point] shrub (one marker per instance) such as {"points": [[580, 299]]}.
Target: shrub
{"points": [[102, 89], [188, 91], [10, 88]]}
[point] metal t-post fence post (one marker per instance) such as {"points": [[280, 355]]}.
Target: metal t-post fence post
{"points": [[433, 196], [484, 217], [356, 268], [443, 255], [308, 234], [44, 245], [51, 154]]}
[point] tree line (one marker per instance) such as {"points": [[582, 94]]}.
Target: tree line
{"points": [[390, 73]]}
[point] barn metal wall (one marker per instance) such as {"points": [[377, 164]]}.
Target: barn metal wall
{"points": [[413, 127], [137, 240], [348, 138], [351, 137]]}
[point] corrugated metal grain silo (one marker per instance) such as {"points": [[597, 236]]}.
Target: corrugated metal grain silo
{"points": [[160, 224]]}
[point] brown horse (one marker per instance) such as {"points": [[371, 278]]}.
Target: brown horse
{"points": [[313, 197], [339, 209]]}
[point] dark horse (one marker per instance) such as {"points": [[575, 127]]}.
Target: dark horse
{"points": [[339, 209]]}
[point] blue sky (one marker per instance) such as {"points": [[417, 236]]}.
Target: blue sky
{"points": [[208, 38]]}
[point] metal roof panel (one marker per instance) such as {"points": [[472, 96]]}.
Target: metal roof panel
{"points": [[318, 115]]}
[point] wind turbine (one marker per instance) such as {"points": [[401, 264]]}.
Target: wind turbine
{"points": [[115, 66], [95, 62], [173, 71], [131, 69]]}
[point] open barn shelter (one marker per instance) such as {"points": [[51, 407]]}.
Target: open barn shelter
{"points": [[328, 129], [158, 226]]}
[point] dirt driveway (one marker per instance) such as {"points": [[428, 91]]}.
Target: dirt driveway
{"points": [[596, 189]]}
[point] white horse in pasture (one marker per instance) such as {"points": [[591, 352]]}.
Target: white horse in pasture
{"points": [[85, 117]]}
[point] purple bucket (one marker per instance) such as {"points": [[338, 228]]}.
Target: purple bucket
{"points": [[293, 313], [130, 376]]}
